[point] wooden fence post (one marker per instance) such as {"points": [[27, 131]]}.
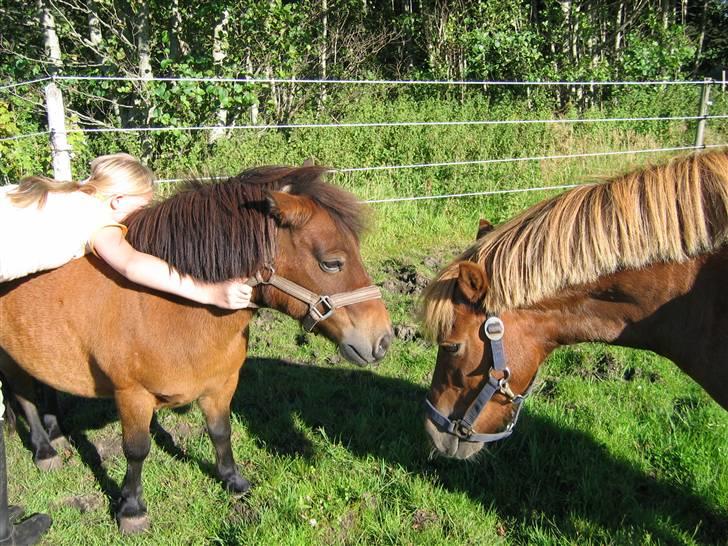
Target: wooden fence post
{"points": [[704, 104], [60, 150]]}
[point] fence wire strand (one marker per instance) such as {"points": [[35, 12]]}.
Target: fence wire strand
{"points": [[366, 125]]}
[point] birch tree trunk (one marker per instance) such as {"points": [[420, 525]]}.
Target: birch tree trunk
{"points": [[142, 42], [61, 151], [324, 50], [253, 107], [144, 106], [95, 38], [219, 52]]}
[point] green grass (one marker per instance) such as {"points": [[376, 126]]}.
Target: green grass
{"points": [[614, 447]]}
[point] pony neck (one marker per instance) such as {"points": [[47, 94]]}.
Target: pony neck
{"points": [[634, 308]]}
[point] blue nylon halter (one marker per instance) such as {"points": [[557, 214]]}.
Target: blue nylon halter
{"points": [[493, 329]]}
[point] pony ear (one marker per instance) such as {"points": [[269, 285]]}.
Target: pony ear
{"points": [[484, 226], [309, 162], [289, 210], [472, 281]]}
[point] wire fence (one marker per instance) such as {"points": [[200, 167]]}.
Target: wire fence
{"points": [[251, 80], [702, 118], [263, 127]]}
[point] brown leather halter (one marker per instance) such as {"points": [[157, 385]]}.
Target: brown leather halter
{"points": [[320, 307]]}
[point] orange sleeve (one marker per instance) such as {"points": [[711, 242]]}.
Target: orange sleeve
{"points": [[122, 227]]}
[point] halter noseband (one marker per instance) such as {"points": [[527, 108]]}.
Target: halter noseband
{"points": [[319, 307], [493, 329]]}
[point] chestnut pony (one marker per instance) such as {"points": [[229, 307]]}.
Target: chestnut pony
{"points": [[86, 330], [639, 261]]}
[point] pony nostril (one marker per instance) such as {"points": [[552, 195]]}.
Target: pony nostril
{"points": [[383, 346]]}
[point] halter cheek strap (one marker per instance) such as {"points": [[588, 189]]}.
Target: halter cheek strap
{"points": [[493, 329], [320, 307]]}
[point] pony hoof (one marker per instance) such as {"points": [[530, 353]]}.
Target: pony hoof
{"points": [[61, 444], [237, 485], [50, 463], [134, 525]]}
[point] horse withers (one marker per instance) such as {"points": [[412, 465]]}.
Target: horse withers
{"points": [[639, 261], [86, 330]]}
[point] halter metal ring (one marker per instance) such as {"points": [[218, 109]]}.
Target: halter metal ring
{"points": [[493, 328], [328, 307], [461, 430]]}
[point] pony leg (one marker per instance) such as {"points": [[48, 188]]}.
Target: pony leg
{"points": [[136, 408], [50, 419], [216, 407], [22, 387]]}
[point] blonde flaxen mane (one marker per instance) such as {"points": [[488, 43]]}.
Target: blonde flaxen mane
{"points": [[664, 213]]}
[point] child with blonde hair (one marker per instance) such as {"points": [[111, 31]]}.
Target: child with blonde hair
{"points": [[45, 224]]}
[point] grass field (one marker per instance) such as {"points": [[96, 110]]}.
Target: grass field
{"points": [[614, 447]]}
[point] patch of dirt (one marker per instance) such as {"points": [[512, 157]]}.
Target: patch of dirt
{"points": [[422, 519], [404, 279], [548, 387], [339, 534], [407, 332], [607, 367], [334, 359], [632, 373], [109, 447], [243, 513], [265, 320], [82, 503], [433, 262], [182, 430], [369, 501]]}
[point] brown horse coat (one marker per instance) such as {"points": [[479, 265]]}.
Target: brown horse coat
{"points": [[86, 330]]}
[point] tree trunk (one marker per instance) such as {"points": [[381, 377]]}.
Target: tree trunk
{"points": [[253, 107], [61, 151], [95, 38], [178, 48], [701, 36], [144, 105], [142, 42], [219, 52], [618, 29], [324, 50]]}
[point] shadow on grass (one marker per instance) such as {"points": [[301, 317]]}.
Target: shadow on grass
{"points": [[541, 472]]}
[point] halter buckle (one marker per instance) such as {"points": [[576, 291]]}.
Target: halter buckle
{"points": [[461, 430], [325, 302], [493, 328]]}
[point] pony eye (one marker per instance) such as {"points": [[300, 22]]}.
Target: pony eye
{"points": [[332, 266], [450, 347]]}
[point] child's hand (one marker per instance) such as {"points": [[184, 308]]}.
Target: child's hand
{"points": [[232, 294]]}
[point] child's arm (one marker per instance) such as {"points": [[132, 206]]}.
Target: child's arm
{"points": [[111, 246]]}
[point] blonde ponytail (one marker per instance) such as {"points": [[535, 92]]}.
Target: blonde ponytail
{"points": [[34, 190], [114, 174]]}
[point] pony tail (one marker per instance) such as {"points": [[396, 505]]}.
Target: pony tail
{"points": [[34, 190]]}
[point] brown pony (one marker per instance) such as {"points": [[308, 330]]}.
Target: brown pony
{"points": [[86, 330], [639, 261]]}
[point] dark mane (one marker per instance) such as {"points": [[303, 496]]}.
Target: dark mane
{"points": [[219, 230]]}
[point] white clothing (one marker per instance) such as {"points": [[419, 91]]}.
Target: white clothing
{"points": [[35, 239]]}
